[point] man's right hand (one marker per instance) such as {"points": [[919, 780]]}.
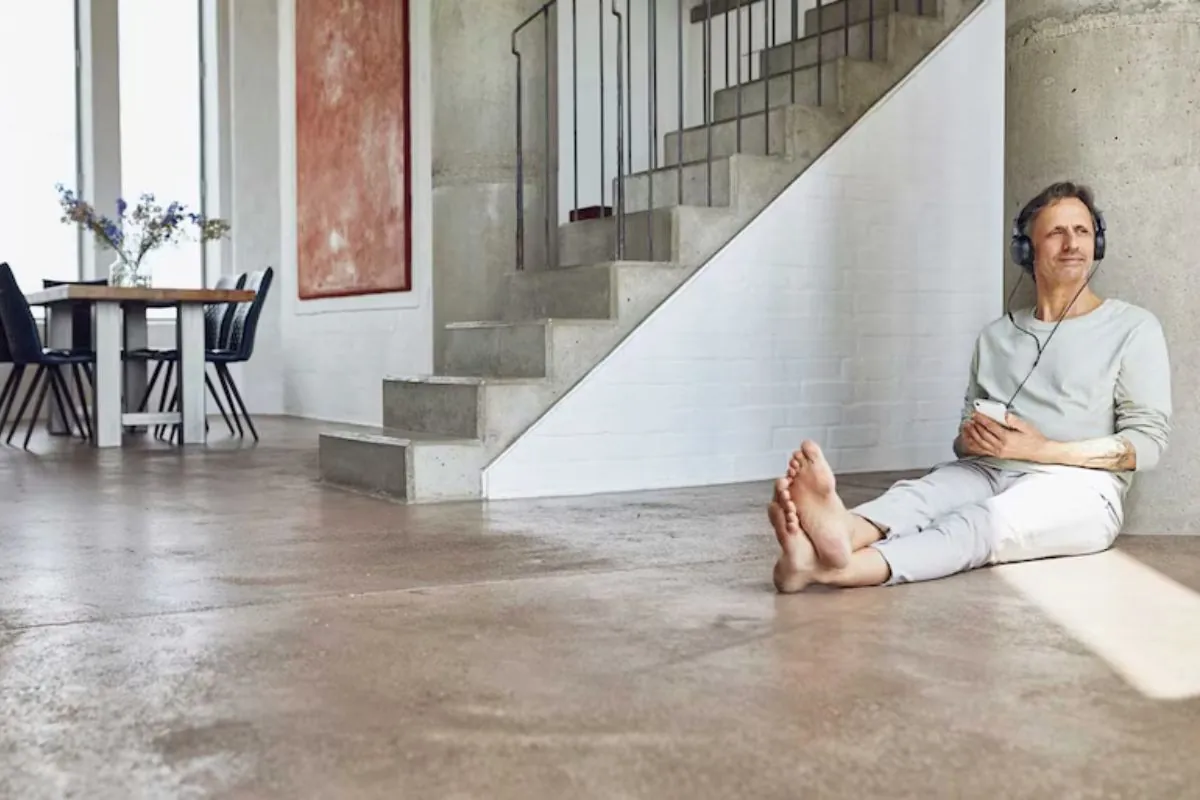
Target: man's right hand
{"points": [[969, 441]]}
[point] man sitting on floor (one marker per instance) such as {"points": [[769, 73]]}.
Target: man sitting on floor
{"points": [[1082, 414]]}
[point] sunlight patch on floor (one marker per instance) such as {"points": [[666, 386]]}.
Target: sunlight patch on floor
{"points": [[1143, 624]]}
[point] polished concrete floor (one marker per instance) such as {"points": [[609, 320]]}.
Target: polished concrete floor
{"points": [[215, 623]]}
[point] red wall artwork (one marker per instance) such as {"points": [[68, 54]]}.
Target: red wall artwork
{"points": [[353, 184]]}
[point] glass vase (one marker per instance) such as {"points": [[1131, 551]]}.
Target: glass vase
{"points": [[125, 273]]}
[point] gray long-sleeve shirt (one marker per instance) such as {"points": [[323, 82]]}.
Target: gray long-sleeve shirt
{"points": [[1104, 372]]}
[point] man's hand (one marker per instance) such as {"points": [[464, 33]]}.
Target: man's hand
{"points": [[1020, 441]]}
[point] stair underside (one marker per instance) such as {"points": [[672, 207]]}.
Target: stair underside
{"points": [[559, 323]]}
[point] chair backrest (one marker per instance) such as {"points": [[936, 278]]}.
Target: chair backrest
{"points": [[245, 320], [218, 317], [5, 353], [81, 312], [20, 328]]}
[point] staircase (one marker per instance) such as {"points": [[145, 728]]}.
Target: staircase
{"points": [[440, 432]]}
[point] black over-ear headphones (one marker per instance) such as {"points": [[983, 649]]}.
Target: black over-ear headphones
{"points": [[1020, 249]]}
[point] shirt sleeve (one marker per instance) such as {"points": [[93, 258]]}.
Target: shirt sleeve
{"points": [[973, 392], [1143, 394]]}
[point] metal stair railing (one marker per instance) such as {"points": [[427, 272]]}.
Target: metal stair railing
{"points": [[705, 13]]}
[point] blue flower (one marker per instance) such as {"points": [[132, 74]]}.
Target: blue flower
{"points": [[121, 206]]}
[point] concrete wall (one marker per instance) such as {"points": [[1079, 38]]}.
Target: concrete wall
{"points": [[846, 312], [474, 160], [335, 352], [1108, 94]]}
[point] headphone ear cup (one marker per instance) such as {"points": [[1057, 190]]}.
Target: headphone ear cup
{"points": [[1021, 251], [1101, 237]]}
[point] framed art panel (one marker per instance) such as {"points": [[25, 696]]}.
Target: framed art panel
{"points": [[353, 181]]}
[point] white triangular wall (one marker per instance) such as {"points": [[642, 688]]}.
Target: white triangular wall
{"points": [[845, 312]]}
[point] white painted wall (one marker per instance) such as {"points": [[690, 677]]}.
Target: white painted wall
{"points": [[845, 313], [336, 351]]}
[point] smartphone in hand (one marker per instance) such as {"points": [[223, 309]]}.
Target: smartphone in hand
{"points": [[993, 409]]}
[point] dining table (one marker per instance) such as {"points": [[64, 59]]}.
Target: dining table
{"points": [[119, 326]]}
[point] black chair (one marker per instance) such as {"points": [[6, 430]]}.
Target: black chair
{"points": [[25, 347], [218, 320], [81, 312], [12, 385], [81, 321], [234, 339]]}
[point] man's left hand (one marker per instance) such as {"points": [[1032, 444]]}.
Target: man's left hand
{"points": [[1019, 441]]}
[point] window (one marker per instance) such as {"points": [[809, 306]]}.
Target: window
{"points": [[38, 141], [160, 122]]}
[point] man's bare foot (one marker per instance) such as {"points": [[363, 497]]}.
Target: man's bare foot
{"points": [[795, 568], [818, 509]]}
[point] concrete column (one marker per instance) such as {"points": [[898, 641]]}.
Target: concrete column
{"points": [[474, 152], [1107, 93], [99, 120], [217, 119]]}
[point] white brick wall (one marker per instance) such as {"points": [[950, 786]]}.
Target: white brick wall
{"points": [[845, 313]]}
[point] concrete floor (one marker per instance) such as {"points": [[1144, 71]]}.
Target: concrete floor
{"points": [[213, 623]]}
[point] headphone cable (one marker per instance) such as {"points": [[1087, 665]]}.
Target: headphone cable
{"points": [[1041, 346]]}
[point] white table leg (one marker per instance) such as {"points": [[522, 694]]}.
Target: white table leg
{"points": [[106, 334], [190, 335], [135, 370], [58, 335]]}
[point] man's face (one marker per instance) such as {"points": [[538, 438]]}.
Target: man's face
{"points": [[1064, 242]]}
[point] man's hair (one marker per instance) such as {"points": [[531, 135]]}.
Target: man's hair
{"points": [[1061, 190]]}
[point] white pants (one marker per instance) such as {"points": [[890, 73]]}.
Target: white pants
{"points": [[966, 514]]}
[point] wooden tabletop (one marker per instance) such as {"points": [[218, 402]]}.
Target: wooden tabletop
{"points": [[129, 294]]}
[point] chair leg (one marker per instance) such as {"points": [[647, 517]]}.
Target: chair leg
{"points": [[62, 395], [141, 406], [238, 397], [33, 387], [11, 389], [87, 414], [162, 399], [8, 385], [37, 406], [221, 377], [212, 390]]}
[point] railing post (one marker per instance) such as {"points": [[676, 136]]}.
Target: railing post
{"points": [[520, 164], [620, 254]]}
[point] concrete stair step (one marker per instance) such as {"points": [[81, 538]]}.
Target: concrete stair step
{"points": [[490, 410], [867, 40], [680, 234], [612, 290], [834, 15], [796, 131], [844, 85], [740, 179], [520, 349], [402, 465], [448, 405]]}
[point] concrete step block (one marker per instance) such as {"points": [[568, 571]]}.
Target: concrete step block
{"points": [[741, 180], [793, 131], [593, 291], [681, 234], [834, 15], [697, 184], [404, 466], [846, 86], [867, 40], [483, 409], [525, 349], [784, 91], [446, 405]]}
